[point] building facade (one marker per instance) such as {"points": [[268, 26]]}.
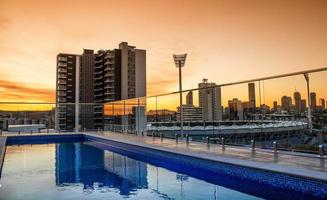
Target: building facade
{"points": [[210, 101], [252, 103], [297, 101], [86, 82]]}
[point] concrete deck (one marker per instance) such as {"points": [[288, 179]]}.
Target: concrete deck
{"points": [[298, 164]]}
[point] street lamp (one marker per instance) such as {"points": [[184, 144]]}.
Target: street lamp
{"points": [[180, 62]]}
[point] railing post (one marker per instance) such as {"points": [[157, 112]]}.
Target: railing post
{"points": [[275, 147], [187, 139], [321, 150], [176, 137], [161, 137], [208, 140], [223, 143], [252, 145]]}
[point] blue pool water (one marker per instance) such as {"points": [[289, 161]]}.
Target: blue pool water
{"points": [[88, 170]]}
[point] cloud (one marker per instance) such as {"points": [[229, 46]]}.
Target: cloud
{"points": [[20, 92]]}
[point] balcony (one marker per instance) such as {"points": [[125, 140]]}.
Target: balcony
{"points": [[61, 99], [61, 93], [97, 61], [61, 58], [61, 87], [62, 76], [109, 74], [109, 80], [62, 82], [110, 68], [62, 64], [61, 70]]}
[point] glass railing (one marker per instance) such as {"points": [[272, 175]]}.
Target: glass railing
{"points": [[240, 114]]}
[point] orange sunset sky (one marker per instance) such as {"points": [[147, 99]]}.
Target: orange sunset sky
{"points": [[226, 41]]}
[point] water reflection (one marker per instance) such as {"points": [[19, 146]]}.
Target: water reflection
{"points": [[80, 163], [95, 168]]}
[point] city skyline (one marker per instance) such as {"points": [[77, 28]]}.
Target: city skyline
{"points": [[228, 48]]}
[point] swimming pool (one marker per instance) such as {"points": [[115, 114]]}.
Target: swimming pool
{"points": [[94, 170]]}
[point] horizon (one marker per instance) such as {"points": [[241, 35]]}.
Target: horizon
{"points": [[236, 37]]}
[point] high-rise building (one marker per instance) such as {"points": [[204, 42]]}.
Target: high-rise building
{"points": [[189, 98], [86, 89], [252, 104], [286, 103], [89, 80], [210, 101], [235, 109], [275, 106], [133, 73], [303, 105], [297, 101], [322, 103], [190, 112], [313, 101], [67, 89]]}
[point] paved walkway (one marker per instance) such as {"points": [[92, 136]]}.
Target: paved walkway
{"points": [[300, 164]]}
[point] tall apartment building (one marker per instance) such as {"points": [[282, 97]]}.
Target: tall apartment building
{"points": [[297, 101], [286, 103], [67, 89], [235, 109], [322, 103], [210, 101], [191, 113], [252, 105], [89, 80], [303, 105], [313, 101], [189, 98]]}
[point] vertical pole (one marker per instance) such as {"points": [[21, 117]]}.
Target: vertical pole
{"points": [[157, 114], [124, 118], [113, 117], [180, 97], [306, 76], [138, 116], [77, 87]]}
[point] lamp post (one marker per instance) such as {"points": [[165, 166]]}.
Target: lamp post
{"points": [[306, 76], [180, 62]]}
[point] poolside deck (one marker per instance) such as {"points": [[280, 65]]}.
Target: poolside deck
{"points": [[293, 163]]}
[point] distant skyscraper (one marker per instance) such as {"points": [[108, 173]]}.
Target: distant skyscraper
{"points": [[236, 109], [89, 80], [286, 103], [190, 112], [275, 106], [252, 104], [189, 98], [210, 101], [313, 100], [322, 103], [303, 105], [297, 101]]}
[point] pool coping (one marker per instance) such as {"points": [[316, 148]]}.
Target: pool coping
{"points": [[276, 168]]}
